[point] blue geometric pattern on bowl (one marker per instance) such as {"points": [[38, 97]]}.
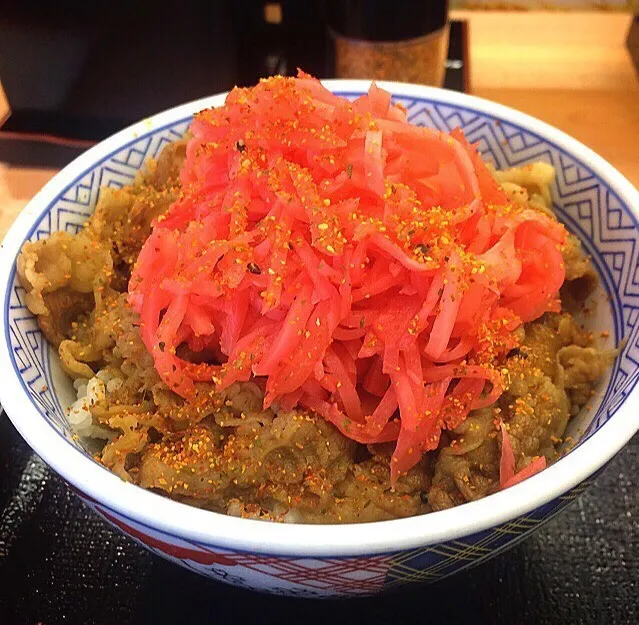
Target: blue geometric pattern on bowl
{"points": [[583, 201], [323, 577]]}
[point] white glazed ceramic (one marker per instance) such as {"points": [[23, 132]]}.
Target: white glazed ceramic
{"points": [[591, 197]]}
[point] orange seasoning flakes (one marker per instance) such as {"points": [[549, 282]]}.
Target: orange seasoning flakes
{"points": [[301, 215]]}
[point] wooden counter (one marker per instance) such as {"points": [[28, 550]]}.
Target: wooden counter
{"points": [[571, 70]]}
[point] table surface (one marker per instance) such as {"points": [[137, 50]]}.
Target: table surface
{"points": [[580, 568]]}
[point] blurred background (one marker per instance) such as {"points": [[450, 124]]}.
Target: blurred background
{"points": [[74, 72], [531, 5]]}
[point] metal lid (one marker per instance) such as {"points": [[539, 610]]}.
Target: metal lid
{"points": [[386, 20]]}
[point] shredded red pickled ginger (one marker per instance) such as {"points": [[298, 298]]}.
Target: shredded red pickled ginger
{"points": [[356, 265], [507, 475]]}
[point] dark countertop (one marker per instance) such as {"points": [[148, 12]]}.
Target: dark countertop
{"points": [[61, 564]]}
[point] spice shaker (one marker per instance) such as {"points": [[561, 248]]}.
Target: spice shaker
{"points": [[404, 40]]}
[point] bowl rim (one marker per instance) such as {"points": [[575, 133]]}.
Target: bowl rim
{"points": [[210, 529]]}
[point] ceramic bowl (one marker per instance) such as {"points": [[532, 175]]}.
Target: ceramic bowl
{"points": [[594, 201]]}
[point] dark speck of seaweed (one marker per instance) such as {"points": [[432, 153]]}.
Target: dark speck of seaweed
{"points": [[516, 352]]}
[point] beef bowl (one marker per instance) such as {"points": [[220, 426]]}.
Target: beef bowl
{"points": [[379, 527]]}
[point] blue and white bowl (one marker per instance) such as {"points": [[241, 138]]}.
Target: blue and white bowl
{"points": [[594, 200]]}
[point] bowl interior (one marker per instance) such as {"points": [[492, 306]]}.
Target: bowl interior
{"points": [[584, 201]]}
